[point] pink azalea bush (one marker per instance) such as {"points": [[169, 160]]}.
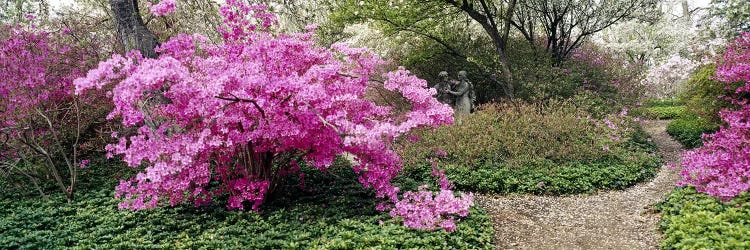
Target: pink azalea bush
{"points": [[721, 167], [244, 111], [41, 120]]}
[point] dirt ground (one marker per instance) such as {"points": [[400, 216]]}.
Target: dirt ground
{"points": [[620, 219]]}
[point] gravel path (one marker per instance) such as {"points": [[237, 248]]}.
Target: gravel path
{"points": [[605, 220]]}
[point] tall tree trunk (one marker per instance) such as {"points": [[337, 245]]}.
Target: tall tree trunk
{"points": [[686, 10], [508, 88], [498, 40], [131, 31]]}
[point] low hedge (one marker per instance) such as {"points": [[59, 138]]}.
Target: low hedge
{"points": [[546, 177], [672, 102], [664, 112], [689, 129], [334, 212], [693, 220]]}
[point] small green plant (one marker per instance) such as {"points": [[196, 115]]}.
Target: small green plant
{"points": [[693, 220]]}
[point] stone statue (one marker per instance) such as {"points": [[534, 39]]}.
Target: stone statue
{"points": [[442, 86], [463, 91]]}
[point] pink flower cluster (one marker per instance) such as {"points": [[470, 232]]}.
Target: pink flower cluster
{"points": [[425, 210], [199, 107], [721, 167], [163, 8]]}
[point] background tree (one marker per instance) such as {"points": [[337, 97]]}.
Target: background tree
{"points": [[12, 11], [447, 24], [132, 33], [566, 24], [470, 30], [734, 14]]}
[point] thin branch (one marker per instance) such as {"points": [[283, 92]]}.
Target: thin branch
{"points": [[234, 98]]}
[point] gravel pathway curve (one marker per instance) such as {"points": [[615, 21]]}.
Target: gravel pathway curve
{"points": [[605, 220]]}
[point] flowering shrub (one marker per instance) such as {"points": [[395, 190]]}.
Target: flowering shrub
{"points": [[721, 167], [241, 111], [668, 79], [429, 209], [42, 122], [599, 80]]}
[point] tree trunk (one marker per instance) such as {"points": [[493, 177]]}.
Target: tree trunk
{"points": [[131, 31], [498, 40], [686, 10], [508, 88]]}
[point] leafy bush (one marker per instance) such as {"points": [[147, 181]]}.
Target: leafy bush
{"points": [[692, 220], [546, 177], [650, 108], [667, 102], [551, 149], [704, 95], [331, 212], [597, 104], [664, 113], [689, 129]]}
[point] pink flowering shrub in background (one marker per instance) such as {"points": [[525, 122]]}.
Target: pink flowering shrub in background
{"points": [[243, 111], [668, 78], [43, 125], [721, 167]]}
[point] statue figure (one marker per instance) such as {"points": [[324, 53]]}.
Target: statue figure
{"points": [[463, 92], [442, 86]]}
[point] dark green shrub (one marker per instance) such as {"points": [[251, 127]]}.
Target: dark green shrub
{"points": [[550, 149], [692, 220], [337, 214], [689, 129], [546, 177], [664, 113]]}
